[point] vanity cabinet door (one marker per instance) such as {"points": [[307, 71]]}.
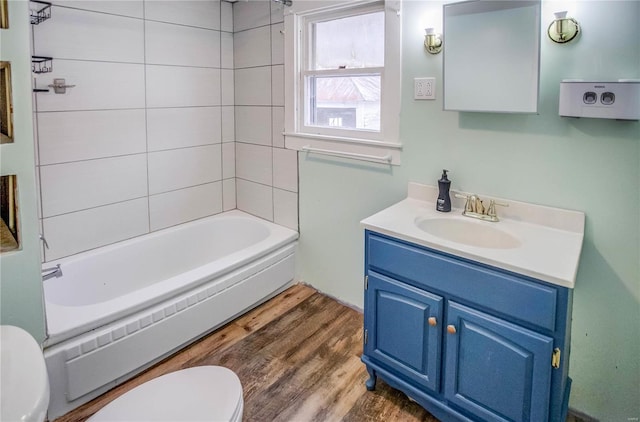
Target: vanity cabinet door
{"points": [[404, 331], [494, 369]]}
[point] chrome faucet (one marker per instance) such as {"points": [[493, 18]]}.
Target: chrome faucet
{"points": [[51, 272], [475, 208]]}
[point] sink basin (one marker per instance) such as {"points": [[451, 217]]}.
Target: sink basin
{"points": [[472, 233], [23, 377]]}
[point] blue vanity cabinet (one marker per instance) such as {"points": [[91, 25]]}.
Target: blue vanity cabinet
{"points": [[467, 341]]}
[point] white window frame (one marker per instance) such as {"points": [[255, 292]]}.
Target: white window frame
{"points": [[383, 146]]}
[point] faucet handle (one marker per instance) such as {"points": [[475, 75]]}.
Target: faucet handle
{"points": [[492, 207]]}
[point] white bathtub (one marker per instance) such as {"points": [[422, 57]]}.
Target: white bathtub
{"points": [[118, 309]]}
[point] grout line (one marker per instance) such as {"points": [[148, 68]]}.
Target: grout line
{"points": [[146, 119], [92, 159], [143, 63], [131, 109], [93, 208]]}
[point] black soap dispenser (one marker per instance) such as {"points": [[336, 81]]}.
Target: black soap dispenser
{"points": [[443, 203]]}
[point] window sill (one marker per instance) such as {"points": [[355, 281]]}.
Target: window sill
{"points": [[351, 148]]}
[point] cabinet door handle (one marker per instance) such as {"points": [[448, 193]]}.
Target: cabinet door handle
{"points": [[451, 329], [432, 321]]}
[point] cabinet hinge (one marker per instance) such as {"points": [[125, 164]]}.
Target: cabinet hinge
{"points": [[366, 282], [555, 358], [366, 336]]}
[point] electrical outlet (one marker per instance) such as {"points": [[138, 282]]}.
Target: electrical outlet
{"points": [[424, 88]]}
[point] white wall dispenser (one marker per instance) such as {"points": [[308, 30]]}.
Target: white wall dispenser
{"points": [[601, 100]]}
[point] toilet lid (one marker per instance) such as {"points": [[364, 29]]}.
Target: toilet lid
{"points": [[201, 393]]}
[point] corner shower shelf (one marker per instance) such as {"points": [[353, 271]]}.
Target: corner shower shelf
{"points": [[42, 13], [41, 64]]}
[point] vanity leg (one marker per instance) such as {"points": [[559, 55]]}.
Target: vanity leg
{"points": [[371, 382]]}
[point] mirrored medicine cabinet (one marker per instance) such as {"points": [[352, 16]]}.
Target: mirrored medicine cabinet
{"points": [[492, 56]]}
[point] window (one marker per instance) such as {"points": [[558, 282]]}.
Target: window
{"points": [[346, 90]]}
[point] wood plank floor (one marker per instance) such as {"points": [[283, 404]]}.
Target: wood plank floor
{"points": [[298, 358]]}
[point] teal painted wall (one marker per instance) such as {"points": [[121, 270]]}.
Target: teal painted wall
{"points": [[20, 278], [589, 165]]}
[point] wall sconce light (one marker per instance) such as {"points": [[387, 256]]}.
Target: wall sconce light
{"points": [[432, 41], [563, 29]]}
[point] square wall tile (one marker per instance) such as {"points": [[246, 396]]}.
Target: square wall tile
{"points": [[80, 231], [277, 87], [170, 128], [226, 48], [277, 43], [255, 199], [277, 125], [171, 44], [179, 206], [277, 12], [251, 14], [285, 208], [185, 167], [83, 135], [228, 124], [229, 194], [173, 86], [98, 86], [252, 47], [228, 160], [285, 169], [253, 86], [228, 94], [253, 125], [80, 185], [82, 35], [226, 16], [203, 14], [254, 162]]}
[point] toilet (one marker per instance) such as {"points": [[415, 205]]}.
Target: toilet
{"points": [[201, 393]]}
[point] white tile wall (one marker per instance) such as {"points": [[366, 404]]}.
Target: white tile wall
{"points": [[204, 14], [251, 14], [253, 86], [254, 162], [285, 208], [82, 35], [285, 169], [255, 198], [98, 86], [226, 47], [227, 82], [83, 230], [176, 207], [277, 126], [226, 18], [277, 87], [171, 44], [252, 47], [253, 125], [277, 44], [170, 128], [185, 167], [85, 184], [228, 160], [229, 194], [277, 12], [228, 124], [173, 86], [133, 8], [83, 135]]}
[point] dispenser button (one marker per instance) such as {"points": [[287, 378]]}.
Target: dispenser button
{"points": [[589, 97], [607, 98]]}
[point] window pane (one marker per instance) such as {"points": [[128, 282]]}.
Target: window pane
{"points": [[344, 102], [353, 42]]}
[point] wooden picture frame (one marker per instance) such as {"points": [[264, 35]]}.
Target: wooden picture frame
{"points": [[6, 104]]}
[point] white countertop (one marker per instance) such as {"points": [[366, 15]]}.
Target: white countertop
{"points": [[550, 238]]}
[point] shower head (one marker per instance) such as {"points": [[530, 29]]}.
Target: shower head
{"points": [[284, 2]]}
